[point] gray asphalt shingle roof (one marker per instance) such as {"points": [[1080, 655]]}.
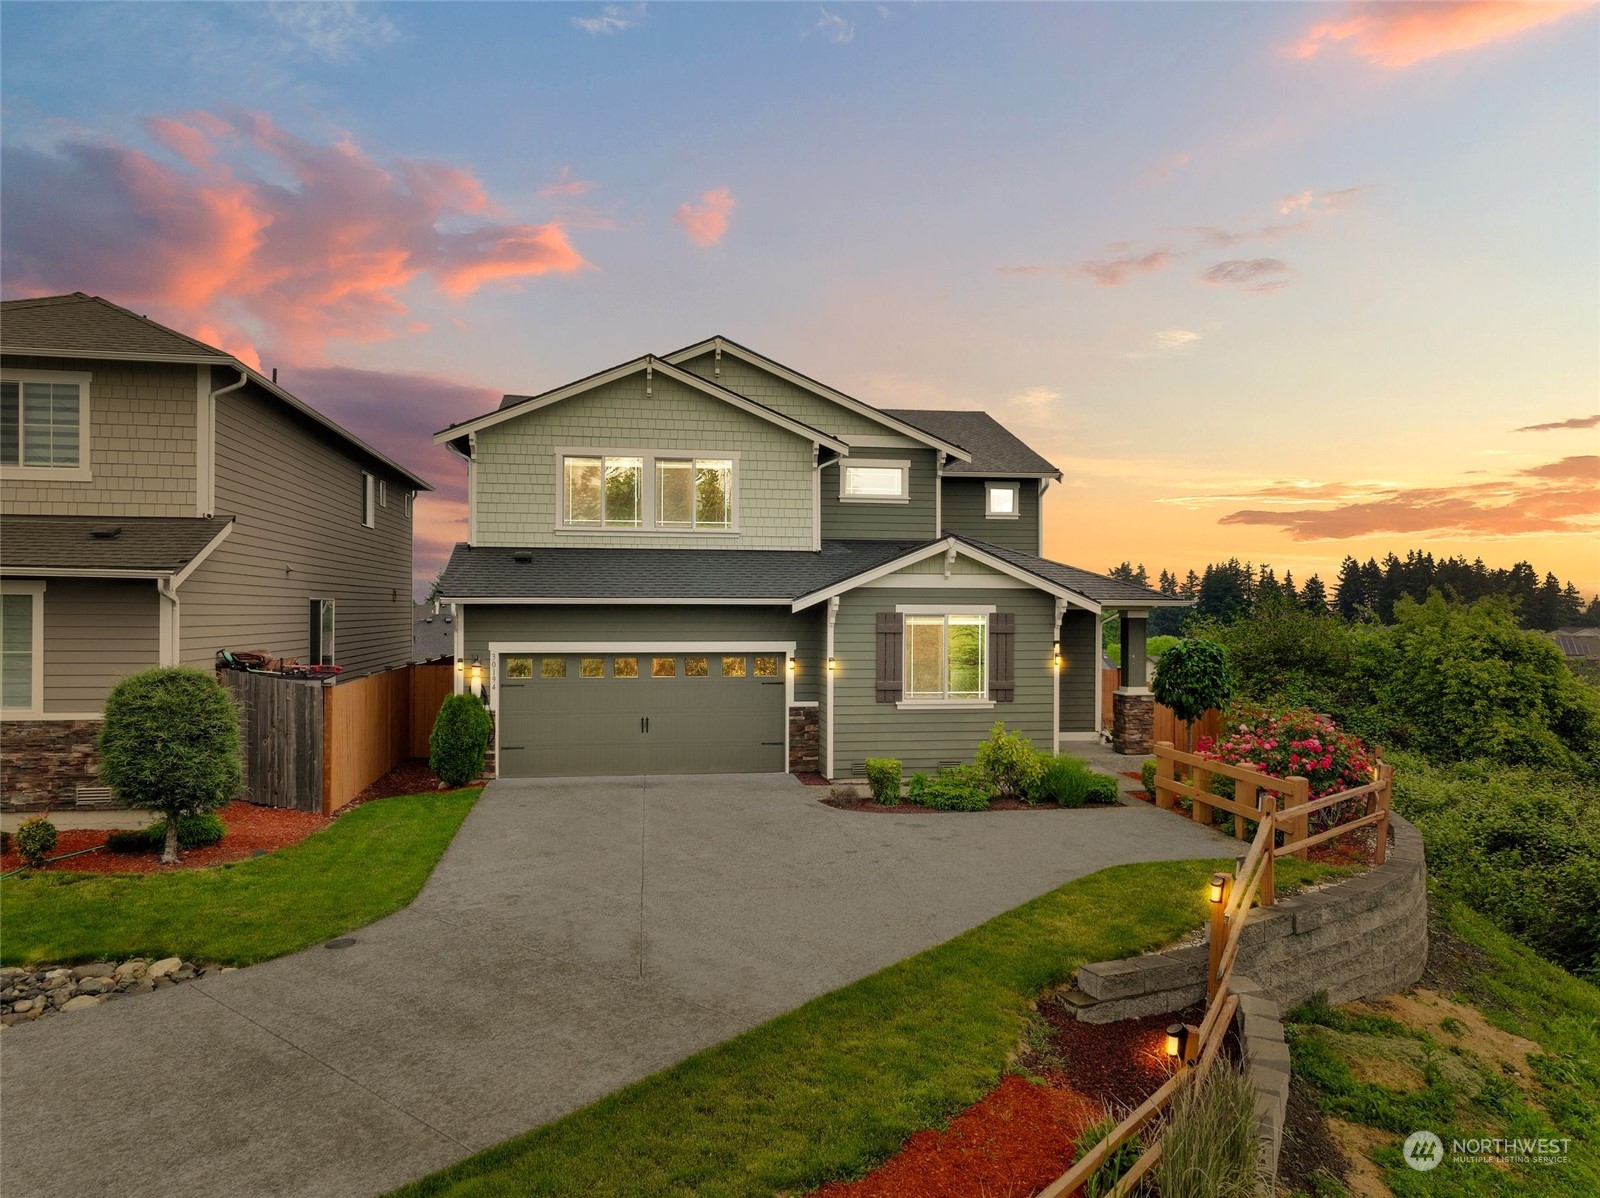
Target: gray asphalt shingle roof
{"points": [[644, 574], [80, 325], [433, 634], [149, 544], [995, 449], [1102, 589]]}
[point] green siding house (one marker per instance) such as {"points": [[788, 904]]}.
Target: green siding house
{"points": [[709, 562]]}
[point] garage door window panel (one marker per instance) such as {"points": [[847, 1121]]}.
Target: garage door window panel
{"points": [[519, 667], [696, 667], [553, 667], [591, 667], [624, 667], [733, 667], [663, 667]]}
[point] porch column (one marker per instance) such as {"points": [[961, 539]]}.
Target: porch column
{"points": [[1133, 707]]}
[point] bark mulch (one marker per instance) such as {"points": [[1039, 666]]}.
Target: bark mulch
{"points": [[412, 777], [1311, 1161], [872, 805], [251, 832], [1023, 1134]]}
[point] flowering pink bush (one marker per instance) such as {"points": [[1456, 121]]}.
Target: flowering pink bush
{"points": [[1296, 742]]}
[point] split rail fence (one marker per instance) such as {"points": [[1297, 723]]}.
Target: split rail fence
{"points": [[1257, 797]]}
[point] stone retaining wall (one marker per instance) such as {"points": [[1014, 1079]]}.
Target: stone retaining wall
{"points": [[1266, 1058], [1357, 939]]}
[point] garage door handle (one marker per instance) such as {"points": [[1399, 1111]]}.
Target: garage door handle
{"points": [[773, 743], [511, 748]]}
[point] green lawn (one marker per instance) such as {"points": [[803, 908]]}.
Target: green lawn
{"points": [[368, 863], [834, 1087]]}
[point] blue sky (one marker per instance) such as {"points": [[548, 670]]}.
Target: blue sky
{"points": [[1308, 263]]}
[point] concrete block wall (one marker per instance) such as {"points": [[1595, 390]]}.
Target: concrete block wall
{"points": [[1259, 1024], [1358, 939]]}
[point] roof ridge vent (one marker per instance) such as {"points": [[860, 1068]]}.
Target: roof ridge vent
{"points": [[106, 532]]}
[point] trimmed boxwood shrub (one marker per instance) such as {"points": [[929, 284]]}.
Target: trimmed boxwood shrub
{"points": [[955, 788], [1147, 772], [1102, 788], [883, 776], [194, 832], [459, 740], [36, 840]]}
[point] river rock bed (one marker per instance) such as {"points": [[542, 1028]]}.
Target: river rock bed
{"points": [[29, 994]]}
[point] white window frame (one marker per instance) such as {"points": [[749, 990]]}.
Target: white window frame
{"points": [[944, 702], [847, 464], [648, 486], [383, 493], [989, 489], [79, 473], [321, 650], [35, 708], [369, 505], [410, 496]]}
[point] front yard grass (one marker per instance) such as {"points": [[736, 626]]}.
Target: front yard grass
{"points": [[833, 1088], [368, 863]]}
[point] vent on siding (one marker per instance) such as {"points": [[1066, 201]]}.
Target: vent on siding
{"points": [[93, 796], [858, 769], [945, 765], [522, 555]]}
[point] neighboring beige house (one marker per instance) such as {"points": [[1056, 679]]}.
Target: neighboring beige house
{"points": [[160, 501]]}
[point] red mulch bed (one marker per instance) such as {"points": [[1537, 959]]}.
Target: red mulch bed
{"points": [[411, 777], [252, 831], [1023, 1134], [872, 805]]}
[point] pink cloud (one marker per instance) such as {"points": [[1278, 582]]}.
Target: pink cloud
{"points": [[565, 187], [706, 222], [1398, 35], [1253, 274], [329, 255], [1114, 272]]}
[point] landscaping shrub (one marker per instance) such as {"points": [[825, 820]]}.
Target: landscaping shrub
{"points": [[170, 742], [1297, 742], [194, 832], [1063, 780], [883, 777], [1192, 678], [36, 840], [1102, 788], [1007, 762], [1147, 772], [1208, 1149], [1104, 1179], [954, 788], [459, 740]]}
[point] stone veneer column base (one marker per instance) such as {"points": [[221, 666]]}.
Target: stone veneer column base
{"points": [[804, 739], [1133, 721], [43, 762]]}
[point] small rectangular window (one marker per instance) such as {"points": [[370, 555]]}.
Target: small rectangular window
{"points": [[369, 513], [552, 667], [591, 667], [519, 667], [875, 482], [409, 498], [766, 667], [733, 667], [383, 493], [663, 667], [624, 667], [16, 651], [322, 632], [1002, 501], [696, 667]]}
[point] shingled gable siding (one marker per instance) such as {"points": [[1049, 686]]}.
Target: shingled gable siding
{"points": [[923, 738], [964, 505], [1080, 669], [641, 625], [789, 398], [141, 443], [910, 521], [96, 631], [297, 496]]}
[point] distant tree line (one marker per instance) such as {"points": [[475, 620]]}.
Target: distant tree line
{"points": [[1233, 590]]}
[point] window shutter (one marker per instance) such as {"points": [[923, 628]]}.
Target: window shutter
{"points": [[1003, 657], [891, 655]]}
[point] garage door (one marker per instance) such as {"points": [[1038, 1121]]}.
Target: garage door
{"points": [[641, 713]]}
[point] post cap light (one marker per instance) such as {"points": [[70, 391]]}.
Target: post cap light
{"points": [[1218, 883], [477, 672], [1175, 1040]]}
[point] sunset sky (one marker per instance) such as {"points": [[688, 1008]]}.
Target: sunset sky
{"points": [[1284, 282]]}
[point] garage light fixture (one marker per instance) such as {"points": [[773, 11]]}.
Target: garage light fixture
{"points": [[792, 665], [830, 665], [1055, 654]]}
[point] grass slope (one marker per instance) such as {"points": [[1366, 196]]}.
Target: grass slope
{"points": [[368, 863], [832, 1088]]}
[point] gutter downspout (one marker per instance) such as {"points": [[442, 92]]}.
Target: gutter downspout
{"points": [[171, 646], [208, 502]]}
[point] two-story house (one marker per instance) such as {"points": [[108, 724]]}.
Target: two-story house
{"points": [[708, 561], [161, 501]]}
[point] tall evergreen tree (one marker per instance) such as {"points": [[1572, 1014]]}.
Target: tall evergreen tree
{"points": [[1350, 596], [1314, 596]]}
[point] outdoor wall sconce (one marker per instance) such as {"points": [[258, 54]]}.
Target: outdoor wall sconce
{"points": [[477, 672], [793, 665], [1055, 654], [830, 665]]}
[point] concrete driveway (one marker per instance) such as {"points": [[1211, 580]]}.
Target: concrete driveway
{"points": [[577, 936]]}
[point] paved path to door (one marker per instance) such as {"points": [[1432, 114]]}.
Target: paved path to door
{"points": [[577, 935]]}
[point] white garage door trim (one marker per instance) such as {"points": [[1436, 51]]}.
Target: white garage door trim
{"points": [[644, 645]]}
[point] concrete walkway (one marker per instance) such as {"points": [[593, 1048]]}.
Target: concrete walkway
{"points": [[577, 935]]}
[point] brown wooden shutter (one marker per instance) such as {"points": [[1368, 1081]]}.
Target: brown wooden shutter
{"points": [[891, 655], [1003, 657]]}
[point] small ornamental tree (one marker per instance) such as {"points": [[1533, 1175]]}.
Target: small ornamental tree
{"points": [[1192, 678], [459, 740], [170, 743]]}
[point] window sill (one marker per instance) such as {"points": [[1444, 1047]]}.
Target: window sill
{"points": [[1002, 516], [563, 530], [870, 499], [62, 474], [945, 704]]}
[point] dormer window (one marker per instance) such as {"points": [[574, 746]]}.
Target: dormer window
{"points": [[1002, 501], [44, 424], [875, 482]]}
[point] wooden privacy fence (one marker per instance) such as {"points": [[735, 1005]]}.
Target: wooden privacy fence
{"points": [[1167, 725], [315, 745], [1232, 900]]}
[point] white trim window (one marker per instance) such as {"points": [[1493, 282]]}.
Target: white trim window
{"points": [[947, 658], [1002, 501], [383, 493], [22, 648], [868, 481], [650, 491], [323, 627], [369, 505], [44, 424]]}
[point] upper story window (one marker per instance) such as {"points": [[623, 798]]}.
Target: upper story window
{"points": [[874, 482], [44, 424], [369, 506], [945, 657], [1002, 501], [649, 491]]}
